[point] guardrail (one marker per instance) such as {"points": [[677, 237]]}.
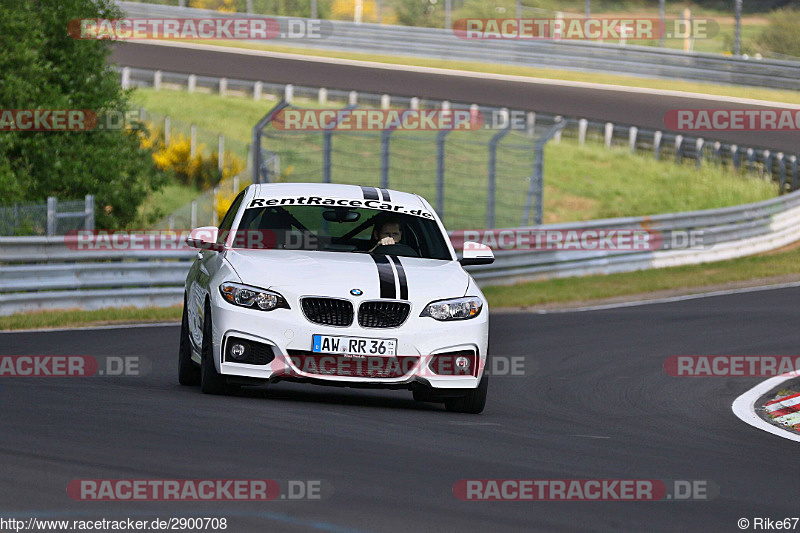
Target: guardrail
{"points": [[94, 279], [571, 55]]}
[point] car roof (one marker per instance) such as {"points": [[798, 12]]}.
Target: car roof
{"points": [[337, 190]]}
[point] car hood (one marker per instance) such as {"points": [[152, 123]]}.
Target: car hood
{"points": [[299, 273]]}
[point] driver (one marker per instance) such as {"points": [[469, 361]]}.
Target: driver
{"points": [[387, 233]]}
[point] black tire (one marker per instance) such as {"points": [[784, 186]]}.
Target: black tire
{"points": [[211, 382], [472, 402], [188, 372]]}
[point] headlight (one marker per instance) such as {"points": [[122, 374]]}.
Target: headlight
{"points": [[251, 297], [455, 309]]}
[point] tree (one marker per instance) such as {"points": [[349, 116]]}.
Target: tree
{"points": [[44, 68]]}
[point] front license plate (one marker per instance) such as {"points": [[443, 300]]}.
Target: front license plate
{"points": [[353, 345]]}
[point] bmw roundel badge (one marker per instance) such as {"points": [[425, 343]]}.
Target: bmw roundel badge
{"points": [[356, 292]]}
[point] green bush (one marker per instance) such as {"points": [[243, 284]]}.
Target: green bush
{"points": [[781, 34]]}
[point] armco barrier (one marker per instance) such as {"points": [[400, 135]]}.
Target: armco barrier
{"points": [[44, 273]]}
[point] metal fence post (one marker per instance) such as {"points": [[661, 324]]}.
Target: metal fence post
{"points": [[191, 84], [221, 154], [288, 93], [256, 145], [327, 145], [157, 80], [414, 103], [223, 86], [699, 145], [767, 162], [736, 156], [794, 172], [258, 89], [536, 187], [88, 221], [386, 101], [633, 132], [678, 146], [52, 205], [193, 215], [322, 96], [126, 78], [557, 136], [352, 98], [583, 125], [167, 131], [193, 141], [782, 172], [215, 206], [492, 174], [657, 137], [385, 136], [609, 134], [751, 159], [440, 167]]}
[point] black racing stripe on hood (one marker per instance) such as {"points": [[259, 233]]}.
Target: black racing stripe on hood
{"points": [[370, 193], [401, 277], [385, 195], [385, 276]]}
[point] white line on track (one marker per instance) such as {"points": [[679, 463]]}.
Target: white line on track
{"points": [[745, 407], [470, 74]]}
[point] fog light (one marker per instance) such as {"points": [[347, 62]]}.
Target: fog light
{"points": [[238, 352], [462, 363]]}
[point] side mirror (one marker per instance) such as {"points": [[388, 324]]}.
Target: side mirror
{"points": [[476, 253], [205, 238]]}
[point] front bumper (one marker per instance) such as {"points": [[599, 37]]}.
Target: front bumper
{"points": [[289, 333]]}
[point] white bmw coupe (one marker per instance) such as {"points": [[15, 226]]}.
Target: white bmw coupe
{"points": [[335, 285]]}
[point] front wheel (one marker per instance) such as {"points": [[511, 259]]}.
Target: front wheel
{"points": [[472, 402], [188, 373], [211, 382]]}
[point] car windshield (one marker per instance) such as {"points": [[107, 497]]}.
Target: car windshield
{"points": [[340, 229]]}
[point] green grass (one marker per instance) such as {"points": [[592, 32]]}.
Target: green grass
{"points": [[757, 93], [689, 278], [582, 183], [77, 317]]}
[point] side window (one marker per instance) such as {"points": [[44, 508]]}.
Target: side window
{"points": [[227, 221]]}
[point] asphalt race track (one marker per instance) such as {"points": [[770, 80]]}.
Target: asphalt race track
{"points": [[595, 404], [620, 106]]}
